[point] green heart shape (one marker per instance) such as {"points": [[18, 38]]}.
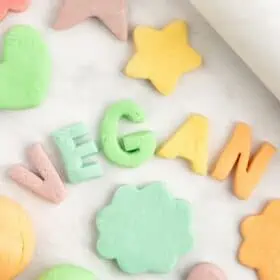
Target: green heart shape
{"points": [[25, 70]]}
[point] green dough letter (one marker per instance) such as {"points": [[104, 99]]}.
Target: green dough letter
{"points": [[77, 150], [130, 150]]}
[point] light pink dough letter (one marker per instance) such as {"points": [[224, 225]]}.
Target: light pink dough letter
{"points": [[47, 184]]}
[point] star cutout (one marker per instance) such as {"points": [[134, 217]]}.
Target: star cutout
{"points": [[12, 5], [113, 13], [162, 56]]}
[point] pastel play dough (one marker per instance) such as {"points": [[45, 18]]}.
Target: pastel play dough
{"points": [[77, 149], [260, 249], [17, 239], [190, 142], [144, 229], [48, 185], [130, 150], [162, 56], [206, 271], [249, 170], [113, 13], [25, 70], [13, 6], [67, 272]]}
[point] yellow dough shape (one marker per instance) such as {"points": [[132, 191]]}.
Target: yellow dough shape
{"points": [[260, 249], [190, 142], [162, 56], [17, 239]]}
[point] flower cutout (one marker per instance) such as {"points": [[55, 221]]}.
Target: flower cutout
{"points": [[144, 229], [261, 247]]}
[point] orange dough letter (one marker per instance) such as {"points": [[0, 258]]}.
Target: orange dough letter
{"points": [[248, 171]]}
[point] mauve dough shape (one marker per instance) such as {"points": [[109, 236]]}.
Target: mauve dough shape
{"points": [[206, 272], [113, 13], [48, 184]]}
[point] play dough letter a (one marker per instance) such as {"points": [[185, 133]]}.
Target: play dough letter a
{"points": [[77, 151], [248, 171], [190, 142], [131, 150], [48, 185]]}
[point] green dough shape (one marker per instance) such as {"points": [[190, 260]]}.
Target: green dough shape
{"points": [[130, 150], [67, 272], [25, 69], [144, 229], [77, 150]]}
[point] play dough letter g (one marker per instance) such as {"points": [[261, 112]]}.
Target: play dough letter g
{"points": [[248, 171], [130, 150], [77, 150], [190, 142]]}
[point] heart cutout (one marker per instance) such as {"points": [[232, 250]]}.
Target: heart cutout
{"points": [[25, 70], [12, 5], [206, 271]]}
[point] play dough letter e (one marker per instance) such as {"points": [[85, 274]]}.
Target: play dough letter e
{"points": [[77, 150], [248, 171], [130, 150], [190, 142]]}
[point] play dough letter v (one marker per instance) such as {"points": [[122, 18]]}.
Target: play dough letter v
{"points": [[190, 142], [248, 171], [48, 184], [130, 150]]}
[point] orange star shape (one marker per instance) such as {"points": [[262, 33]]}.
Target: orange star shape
{"points": [[163, 56], [113, 13]]}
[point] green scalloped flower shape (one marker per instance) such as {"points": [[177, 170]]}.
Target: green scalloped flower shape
{"points": [[144, 229]]}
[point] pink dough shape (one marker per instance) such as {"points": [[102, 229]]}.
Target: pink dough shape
{"points": [[12, 5], [113, 13], [48, 185], [206, 271]]}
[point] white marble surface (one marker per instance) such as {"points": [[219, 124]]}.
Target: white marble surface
{"points": [[86, 78]]}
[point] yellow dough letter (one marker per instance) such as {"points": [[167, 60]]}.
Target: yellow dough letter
{"points": [[248, 171], [190, 142]]}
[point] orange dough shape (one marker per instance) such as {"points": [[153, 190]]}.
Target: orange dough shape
{"points": [[249, 171], [17, 239], [260, 249], [12, 5]]}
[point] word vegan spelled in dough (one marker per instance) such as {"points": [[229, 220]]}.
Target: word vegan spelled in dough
{"points": [[189, 142]]}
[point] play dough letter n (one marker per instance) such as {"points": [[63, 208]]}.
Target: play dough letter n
{"points": [[248, 171], [190, 142], [130, 150], [77, 150]]}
